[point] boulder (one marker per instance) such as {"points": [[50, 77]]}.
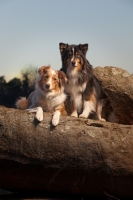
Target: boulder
{"points": [[118, 85], [80, 157]]}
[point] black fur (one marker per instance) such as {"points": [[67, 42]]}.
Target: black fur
{"points": [[69, 54]]}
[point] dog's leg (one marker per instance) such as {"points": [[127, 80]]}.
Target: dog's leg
{"points": [[74, 113], [38, 111], [39, 114], [56, 118], [88, 107], [99, 111], [74, 110]]}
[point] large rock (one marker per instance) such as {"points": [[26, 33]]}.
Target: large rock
{"points": [[78, 157], [118, 84]]}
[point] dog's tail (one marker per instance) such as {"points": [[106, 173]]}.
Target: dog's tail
{"points": [[22, 103]]}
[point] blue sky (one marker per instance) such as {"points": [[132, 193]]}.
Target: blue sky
{"points": [[31, 30]]}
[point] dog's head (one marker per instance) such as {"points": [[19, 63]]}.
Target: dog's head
{"points": [[51, 80], [73, 56]]}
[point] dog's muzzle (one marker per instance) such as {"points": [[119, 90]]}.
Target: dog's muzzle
{"points": [[73, 63]]}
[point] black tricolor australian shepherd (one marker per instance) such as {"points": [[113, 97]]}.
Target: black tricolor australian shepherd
{"points": [[85, 91]]}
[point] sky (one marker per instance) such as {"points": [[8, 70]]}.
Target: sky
{"points": [[31, 30]]}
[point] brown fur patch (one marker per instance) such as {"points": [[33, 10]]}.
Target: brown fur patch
{"points": [[62, 109], [79, 65], [93, 99], [90, 96], [22, 103], [44, 69], [69, 106], [62, 78]]}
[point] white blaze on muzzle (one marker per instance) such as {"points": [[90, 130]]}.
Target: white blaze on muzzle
{"points": [[73, 61], [49, 84]]}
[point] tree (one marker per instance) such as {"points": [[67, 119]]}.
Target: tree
{"points": [[14, 87], [3, 90], [2, 80], [17, 87], [28, 77]]}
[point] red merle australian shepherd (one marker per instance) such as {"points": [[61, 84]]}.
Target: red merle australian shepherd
{"points": [[48, 95], [85, 92]]}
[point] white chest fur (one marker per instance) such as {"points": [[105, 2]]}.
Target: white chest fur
{"points": [[50, 100], [75, 91], [55, 100]]}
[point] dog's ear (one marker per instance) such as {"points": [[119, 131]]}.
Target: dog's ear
{"points": [[42, 70], [62, 78], [62, 47], [84, 48]]}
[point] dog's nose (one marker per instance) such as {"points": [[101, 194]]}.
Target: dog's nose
{"points": [[73, 63], [47, 85]]}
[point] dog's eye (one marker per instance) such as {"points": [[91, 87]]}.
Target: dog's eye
{"points": [[70, 53], [45, 76], [55, 79]]}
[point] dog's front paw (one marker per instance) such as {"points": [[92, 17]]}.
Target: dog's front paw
{"points": [[55, 121], [56, 118], [39, 114], [103, 120], [74, 114], [83, 116]]}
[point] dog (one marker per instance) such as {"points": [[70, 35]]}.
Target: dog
{"points": [[88, 100], [48, 95]]}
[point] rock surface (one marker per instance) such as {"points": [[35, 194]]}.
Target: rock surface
{"points": [[118, 84], [78, 157]]}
